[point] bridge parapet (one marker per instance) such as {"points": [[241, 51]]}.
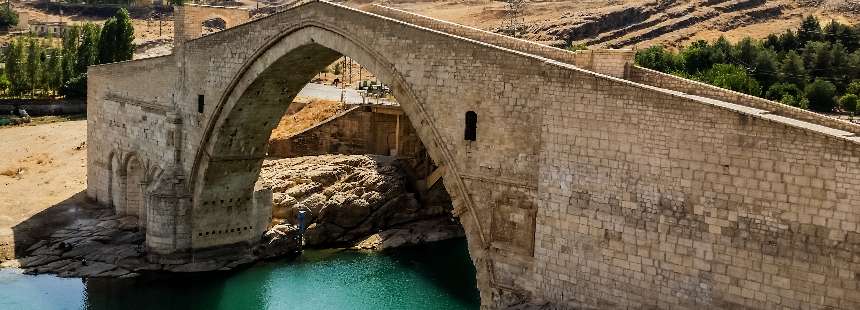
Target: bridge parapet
{"points": [[667, 81]]}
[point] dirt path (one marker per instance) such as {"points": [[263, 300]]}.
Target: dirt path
{"points": [[41, 166]]}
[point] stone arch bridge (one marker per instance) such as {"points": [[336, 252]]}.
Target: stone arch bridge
{"points": [[590, 182]]}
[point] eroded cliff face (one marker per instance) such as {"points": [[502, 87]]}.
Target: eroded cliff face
{"points": [[351, 197]]}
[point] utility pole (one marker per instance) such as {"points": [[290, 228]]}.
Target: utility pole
{"points": [[514, 17]]}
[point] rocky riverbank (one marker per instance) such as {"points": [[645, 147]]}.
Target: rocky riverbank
{"points": [[350, 197], [361, 202], [100, 244]]}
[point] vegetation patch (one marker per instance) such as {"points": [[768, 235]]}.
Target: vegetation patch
{"points": [[814, 67]]}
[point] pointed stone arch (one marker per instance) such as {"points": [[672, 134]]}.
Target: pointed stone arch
{"points": [[234, 142], [135, 187], [115, 182]]}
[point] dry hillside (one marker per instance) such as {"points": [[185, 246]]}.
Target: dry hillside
{"points": [[612, 23], [308, 115], [628, 23]]}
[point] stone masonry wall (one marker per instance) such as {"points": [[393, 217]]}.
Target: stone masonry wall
{"points": [[127, 117], [581, 190], [668, 81], [358, 130], [653, 199], [190, 17]]}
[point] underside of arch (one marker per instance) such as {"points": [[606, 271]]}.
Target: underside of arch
{"points": [[233, 148]]}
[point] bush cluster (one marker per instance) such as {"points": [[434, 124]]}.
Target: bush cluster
{"points": [[41, 67], [814, 67]]}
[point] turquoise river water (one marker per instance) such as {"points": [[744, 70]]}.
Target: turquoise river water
{"points": [[432, 276]]}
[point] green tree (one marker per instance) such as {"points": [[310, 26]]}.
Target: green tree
{"points": [[795, 101], [839, 66], [818, 58], [116, 41], [15, 67], [658, 58], [107, 42], [732, 77], [772, 42], [5, 85], [697, 57], [853, 88], [54, 71], [810, 30], [780, 90], [835, 33], [852, 70], [792, 69], [788, 41], [8, 17], [821, 95], [720, 51], [849, 102], [87, 53], [766, 68], [124, 36], [746, 52], [71, 40], [34, 65]]}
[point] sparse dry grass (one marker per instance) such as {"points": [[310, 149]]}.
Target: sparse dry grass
{"points": [[313, 113]]}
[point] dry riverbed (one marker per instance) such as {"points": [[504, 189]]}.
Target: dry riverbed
{"points": [[42, 179]]}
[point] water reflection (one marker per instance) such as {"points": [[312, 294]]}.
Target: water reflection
{"points": [[435, 276]]}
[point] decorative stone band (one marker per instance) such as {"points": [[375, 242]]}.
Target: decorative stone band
{"points": [[151, 107]]}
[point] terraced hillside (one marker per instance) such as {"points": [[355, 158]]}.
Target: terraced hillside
{"points": [[627, 23]]}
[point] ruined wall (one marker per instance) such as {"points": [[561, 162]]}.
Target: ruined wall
{"points": [[358, 130], [189, 19]]}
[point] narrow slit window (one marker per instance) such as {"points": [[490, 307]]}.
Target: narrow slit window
{"points": [[471, 126], [200, 103]]}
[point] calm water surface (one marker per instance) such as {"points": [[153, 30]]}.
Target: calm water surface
{"points": [[433, 276]]}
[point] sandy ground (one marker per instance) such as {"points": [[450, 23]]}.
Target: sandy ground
{"points": [[40, 166]]}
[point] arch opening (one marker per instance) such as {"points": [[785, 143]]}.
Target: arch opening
{"points": [[116, 188], [134, 190], [234, 147]]}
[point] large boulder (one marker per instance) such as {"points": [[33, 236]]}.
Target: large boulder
{"points": [[346, 197], [280, 240]]}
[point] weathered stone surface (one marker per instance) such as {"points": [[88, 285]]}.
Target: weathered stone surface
{"points": [[93, 269], [95, 250], [348, 196], [411, 234], [33, 261], [12, 263], [581, 188], [281, 240]]}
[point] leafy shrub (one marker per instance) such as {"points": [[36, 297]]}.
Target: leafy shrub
{"points": [[76, 87], [849, 102], [821, 95]]}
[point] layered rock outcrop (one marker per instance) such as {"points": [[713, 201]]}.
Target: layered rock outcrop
{"points": [[349, 197]]}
